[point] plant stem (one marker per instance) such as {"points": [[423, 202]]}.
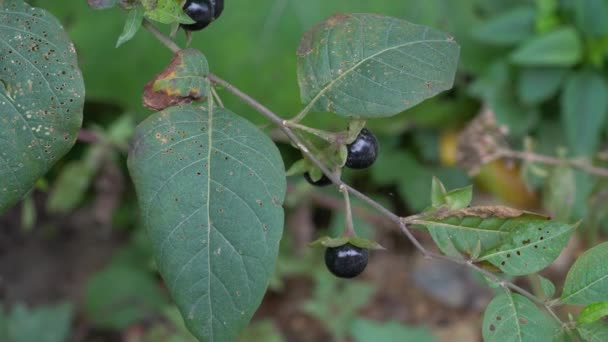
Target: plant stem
{"points": [[327, 136], [349, 229], [345, 188], [534, 157]]}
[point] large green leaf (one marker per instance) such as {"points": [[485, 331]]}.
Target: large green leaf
{"points": [[584, 105], [587, 280], [210, 187], [512, 317], [474, 230], [592, 313], [366, 65], [561, 47], [532, 246], [590, 16], [41, 97]]}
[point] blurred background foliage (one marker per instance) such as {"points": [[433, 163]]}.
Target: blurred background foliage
{"points": [[538, 65]]}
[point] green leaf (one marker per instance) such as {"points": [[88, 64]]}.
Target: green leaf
{"points": [[559, 193], [590, 17], [587, 280], [547, 286], [133, 296], [41, 97], [166, 11], [438, 193], [132, 25], [561, 47], [592, 313], [530, 247], [538, 84], [594, 332], [459, 198], [210, 187], [366, 65], [509, 28], [584, 105], [182, 81], [363, 330], [41, 324], [474, 230], [512, 317]]}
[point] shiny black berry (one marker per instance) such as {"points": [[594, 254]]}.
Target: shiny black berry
{"points": [[203, 12], [346, 261], [323, 181], [362, 152]]}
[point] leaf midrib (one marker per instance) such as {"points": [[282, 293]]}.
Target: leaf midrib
{"points": [[452, 226], [563, 300], [209, 149]]}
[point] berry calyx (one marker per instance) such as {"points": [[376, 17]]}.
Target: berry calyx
{"points": [[323, 181], [203, 12], [346, 261], [362, 152]]}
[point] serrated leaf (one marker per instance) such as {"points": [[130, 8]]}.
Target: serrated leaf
{"points": [[592, 313], [584, 106], [512, 317], [594, 332], [561, 47], [184, 80], [547, 286], [530, 247], [473, 230], [166, 11], [41, 97], [367, 65], [132, 25], [210, 187], [509, 28], [587, 280]]}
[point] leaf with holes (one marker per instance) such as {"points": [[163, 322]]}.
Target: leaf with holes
{"points": [[210, 187], [474, 230], [367, 65], [184, 80], [530, 247], [41, 97], [587, 280], [512, 317]]}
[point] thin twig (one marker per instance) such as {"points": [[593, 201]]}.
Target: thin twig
{"points": [[401, 222], [165, 40], [534, 157], [349, 228]]}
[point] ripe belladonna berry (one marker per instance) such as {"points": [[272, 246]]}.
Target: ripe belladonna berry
{"points": [[346, 261], [323, 181], [203, 12], [362, 152]]}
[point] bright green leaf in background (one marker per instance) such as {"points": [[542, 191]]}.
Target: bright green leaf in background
{"points": [[366, 65], [584, 105], [210, 187], [41, 97], [537, 84], [587, 280], [511, 27], [592, 313], [559, 195], [594, 332], [364, 330], [561, 47], [530, 247], [50, 323], [512, 317]]}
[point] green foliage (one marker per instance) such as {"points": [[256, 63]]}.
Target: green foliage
{"points": [[592, 313], [49, 323], [41, 97], [363, 330], [210, 187], [593, 332], [454, 199], [165, 11], [587, 280], [512, 317], [367, 66], [511, 27], [132, 24]]}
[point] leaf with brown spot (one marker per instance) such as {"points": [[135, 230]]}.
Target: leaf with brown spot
{"points": [[184, 80]]}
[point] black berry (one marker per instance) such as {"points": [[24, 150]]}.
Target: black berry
{"points": [[323, 181], [203, 12], [362, 152], [346, 261]]}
